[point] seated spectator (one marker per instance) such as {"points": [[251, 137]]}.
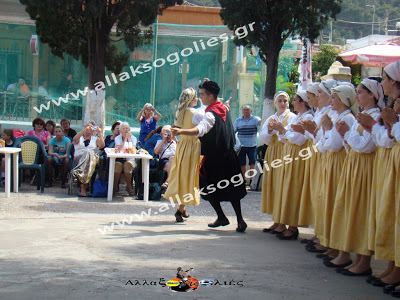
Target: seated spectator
{"points": [[86, 156], [165, 149], [152, 139], [68, 131], [8, 138], [39, 131], [22, 88], [123, 164], [115, 131], [11, 88], [58, 149], [42, 89], [50, 125]]}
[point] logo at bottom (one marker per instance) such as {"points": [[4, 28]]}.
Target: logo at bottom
{"points": [[183, 282]]}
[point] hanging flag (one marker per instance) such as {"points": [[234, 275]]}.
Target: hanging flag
{"points": [[305, 65]]}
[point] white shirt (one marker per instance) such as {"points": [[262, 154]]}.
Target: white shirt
{"points": [[362, 143], [332, 141], [381, 136], [396, 131], [198, 115], [118, 140], [206, 124], [296, 137], [317, 119], [166, 151], [265, 136]]}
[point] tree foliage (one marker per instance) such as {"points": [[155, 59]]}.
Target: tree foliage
{"points": [[386, 11], [67, 26], [324, 59], [274, 21]]}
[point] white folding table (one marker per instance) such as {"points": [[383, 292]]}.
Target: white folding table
{"points": [[7, 151], [145, 171]]}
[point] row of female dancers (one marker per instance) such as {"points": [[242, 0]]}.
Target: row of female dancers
{"points": [[348, 189]]}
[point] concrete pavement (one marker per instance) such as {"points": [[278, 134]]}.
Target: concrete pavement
{"points": [[51, 248]]}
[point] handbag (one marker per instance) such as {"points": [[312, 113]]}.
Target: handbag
{"points": [[100, 188]]}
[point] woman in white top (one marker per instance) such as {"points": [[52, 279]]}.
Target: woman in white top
{"points": [[319, 97], [344, 105], [293, 164], [123, 164], [387, 239], [353, 197], [85, 158], [271, 176]]}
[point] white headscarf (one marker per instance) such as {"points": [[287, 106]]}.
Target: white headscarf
{"points": [[313, 88], [376, 89], [184, 100], [303, 95], [281, 93], [327, 85], [393, 70], [347, 95]]}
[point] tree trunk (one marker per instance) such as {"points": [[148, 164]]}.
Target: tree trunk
{"points": [[270, 84], [94, 110]]}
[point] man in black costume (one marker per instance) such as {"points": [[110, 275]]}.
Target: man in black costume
{"points": [[221, 178]]}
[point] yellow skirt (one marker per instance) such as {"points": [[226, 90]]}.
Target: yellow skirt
{"points": [[385, 236], [271, 180], [378, 180], [352, 201], [309, 186], [396, 159], [291, 186], [184, 175], [332, 169]]}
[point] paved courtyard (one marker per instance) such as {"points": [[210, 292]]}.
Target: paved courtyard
{"points": [[52, 247]]}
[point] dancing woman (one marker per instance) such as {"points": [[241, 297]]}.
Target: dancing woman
{"points": [[184, 177], [221, 178]]}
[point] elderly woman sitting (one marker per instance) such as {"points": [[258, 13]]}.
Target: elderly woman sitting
{"points": [[165, 149], [123, 164], [87, 144]]}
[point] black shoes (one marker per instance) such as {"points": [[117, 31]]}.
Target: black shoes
{"points": [[390, 288], [185, 214], [241, 226], [219, 223], [63, 186], [178, 216], [349, 273], [328, 264], [293, 236]]}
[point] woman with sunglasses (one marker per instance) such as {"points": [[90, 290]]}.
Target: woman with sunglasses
{"points": [[39, 131]]}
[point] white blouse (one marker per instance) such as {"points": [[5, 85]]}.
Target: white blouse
{"points": [[381, 136], [396, 131], [296, 137], [332, 141], [265, 136], [198, 115], [317, 119], [362, 143]]}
